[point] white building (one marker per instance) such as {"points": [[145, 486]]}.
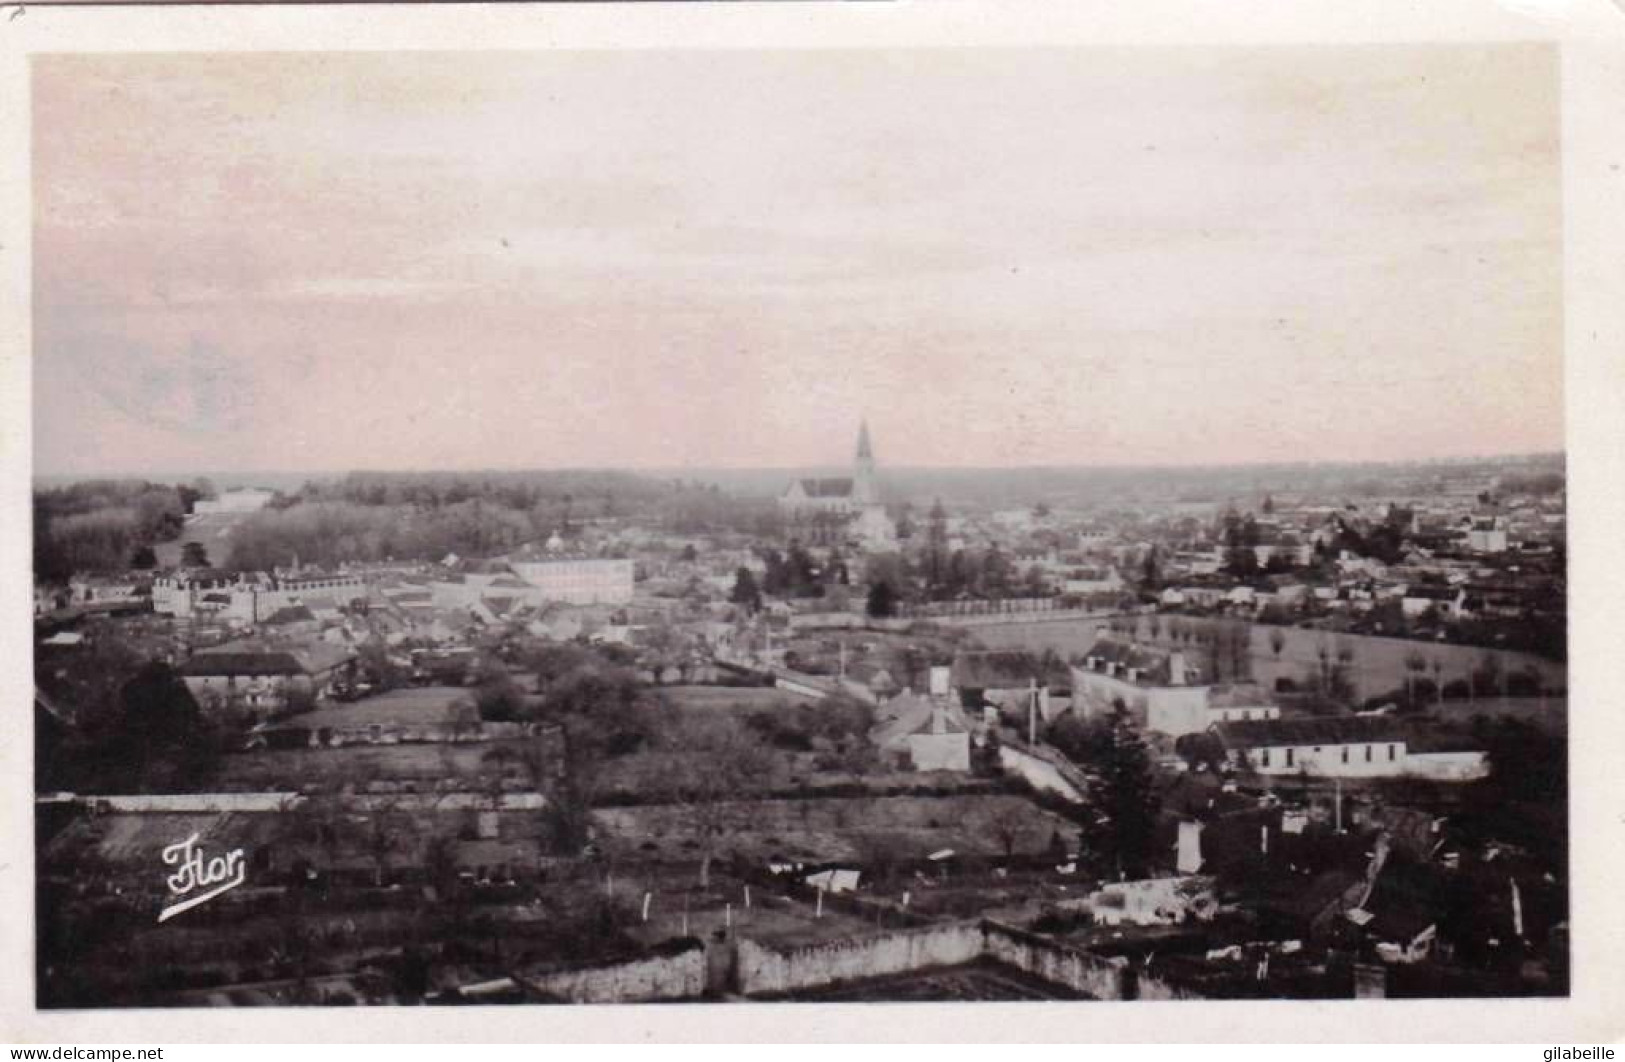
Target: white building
{"points": [[577, 580], [1161, 690], [1346, 747], [1487, 539], [245, 500], [249, 599], [928, 733]]}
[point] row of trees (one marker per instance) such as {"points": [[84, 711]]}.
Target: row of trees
{"points": [[560, 500], [329, 533], [570, 495], [1222, 648]]}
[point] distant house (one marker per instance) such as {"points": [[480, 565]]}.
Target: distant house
{"points": [[1161, 691], [1008, 679], [1447, 599], [264, 679], [928, 733], [1092, 581], [243, 500], [1486, 535]]}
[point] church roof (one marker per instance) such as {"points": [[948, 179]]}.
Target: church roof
{"points": [[834, 487]]}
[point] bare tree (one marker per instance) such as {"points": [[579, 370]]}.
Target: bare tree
{"points": [[1241, 655], [385, 827], [1010, 823], [715, 764], [1323, 654], [1343, 673], [1415, 665]]}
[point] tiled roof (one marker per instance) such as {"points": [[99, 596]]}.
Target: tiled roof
{"points": [[833, 487], [1003, 669], [1331, 730], [246, 658], [244, 663], [1149, 661], [915, 713]]}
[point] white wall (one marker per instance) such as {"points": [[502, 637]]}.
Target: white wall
{"points": [[939, 752], [1388, 759]]}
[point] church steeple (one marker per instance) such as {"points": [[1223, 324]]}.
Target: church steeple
{"points": [[863, 471]]}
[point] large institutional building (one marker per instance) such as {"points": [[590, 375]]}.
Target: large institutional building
{"points": [[249, 598], [846, 507], [578, 580]]}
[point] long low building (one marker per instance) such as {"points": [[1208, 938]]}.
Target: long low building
{"points": [[1347, 747]]}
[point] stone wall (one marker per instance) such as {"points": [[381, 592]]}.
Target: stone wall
{"points": [[661, 977], [1093, 975], [765, 971], [1153, 989]]}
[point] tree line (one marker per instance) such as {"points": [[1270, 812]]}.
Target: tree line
{"points": [[104, 526]]}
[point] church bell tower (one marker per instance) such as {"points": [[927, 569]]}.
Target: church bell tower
{"points": [[864, 491]]}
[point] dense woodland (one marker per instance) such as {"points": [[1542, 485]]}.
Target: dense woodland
{"points": [[110, 526], [107, 525]]}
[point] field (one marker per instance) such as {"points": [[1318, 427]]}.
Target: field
{"points": [[676, 909], [461, 766], [211, 530], [828, 829]]}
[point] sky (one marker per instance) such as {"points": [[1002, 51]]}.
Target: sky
{"points": [[657, 259]]}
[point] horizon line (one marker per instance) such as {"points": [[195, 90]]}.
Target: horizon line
{"points": [[662, 470]]}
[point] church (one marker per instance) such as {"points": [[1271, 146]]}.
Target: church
{"points": [[842, 508]]}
